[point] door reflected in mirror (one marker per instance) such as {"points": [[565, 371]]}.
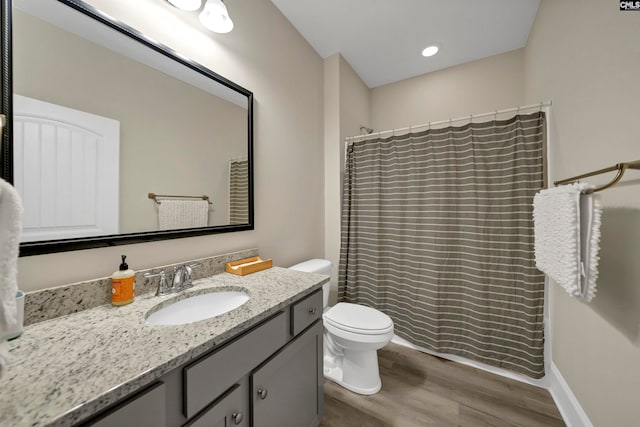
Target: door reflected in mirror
{"points": [[101, 120]]}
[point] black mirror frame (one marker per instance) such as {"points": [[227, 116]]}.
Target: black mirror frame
{"points": [[6, 154]]}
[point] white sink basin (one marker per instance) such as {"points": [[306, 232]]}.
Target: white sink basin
{"points": [[199, 307]]}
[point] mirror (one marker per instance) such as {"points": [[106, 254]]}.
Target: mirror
{"points": [[114, 139]]}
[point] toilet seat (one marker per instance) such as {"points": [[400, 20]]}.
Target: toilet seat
{"points": [[358, 319]]}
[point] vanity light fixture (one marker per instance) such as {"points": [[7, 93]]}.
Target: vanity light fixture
{"points": [[215, 17], [189, 5], [430, 51]]}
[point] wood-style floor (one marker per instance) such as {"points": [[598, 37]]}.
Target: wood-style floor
{"points": [[422, 390]]}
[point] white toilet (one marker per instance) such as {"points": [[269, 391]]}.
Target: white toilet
{"points": [[352, 335]]}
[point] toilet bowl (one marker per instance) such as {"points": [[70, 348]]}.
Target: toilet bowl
{"points": [[352, 335]]}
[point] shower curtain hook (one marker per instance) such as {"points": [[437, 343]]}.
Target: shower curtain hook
{"points": [[518, 110]]}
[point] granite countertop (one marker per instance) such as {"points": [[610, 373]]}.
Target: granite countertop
{"points": [[65, 369]]}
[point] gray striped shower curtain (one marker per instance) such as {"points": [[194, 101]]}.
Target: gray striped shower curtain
{"points": [[239, 192], [437, 233]]}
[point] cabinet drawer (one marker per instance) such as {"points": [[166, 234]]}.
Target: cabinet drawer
{"points": [[226, 411], [305, 312], [209, 377], [146, 409]]}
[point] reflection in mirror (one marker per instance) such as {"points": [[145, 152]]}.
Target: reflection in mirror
{"points": [[101, 120]]}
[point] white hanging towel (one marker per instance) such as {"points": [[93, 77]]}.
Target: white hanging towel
{"points": [[567, 237], [10, 232], [176, 214]]}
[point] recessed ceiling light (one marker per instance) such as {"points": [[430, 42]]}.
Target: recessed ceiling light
{"points": [[430, 51]]}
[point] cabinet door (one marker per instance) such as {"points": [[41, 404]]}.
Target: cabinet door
{"points": [[287, 390], [228, 411], [145, 409]]}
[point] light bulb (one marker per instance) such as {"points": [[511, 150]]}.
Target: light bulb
{"points": [[189, 5], [215, 17]]}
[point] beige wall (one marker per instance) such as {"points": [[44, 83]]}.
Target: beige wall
{"points": [[265, 54], [347, 101], [585, 57], [355, 104], [159, 117], [476, 87], [332, 174]]}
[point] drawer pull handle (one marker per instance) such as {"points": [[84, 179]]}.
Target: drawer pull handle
{"points": [[312, 310], [237, 417], [262, 393]]}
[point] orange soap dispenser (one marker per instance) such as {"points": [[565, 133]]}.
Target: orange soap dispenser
{"points": [[123, 284]]}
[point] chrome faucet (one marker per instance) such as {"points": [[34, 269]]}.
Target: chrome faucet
{"points": [[163, 287], [181, 279], [182, 276]]}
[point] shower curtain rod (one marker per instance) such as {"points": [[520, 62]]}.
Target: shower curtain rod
{"points": [[441, 122]]}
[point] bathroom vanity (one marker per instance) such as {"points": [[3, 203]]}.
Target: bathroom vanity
{"points": [[257, 365], [268, 369]]}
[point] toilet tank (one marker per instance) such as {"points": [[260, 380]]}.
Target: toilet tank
{"points": [[318, 266]]}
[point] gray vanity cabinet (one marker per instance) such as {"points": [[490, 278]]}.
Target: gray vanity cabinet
{"points": [[287, 390], [267, 376]]}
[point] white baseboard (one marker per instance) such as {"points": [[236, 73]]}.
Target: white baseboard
{"points": [[569, 407]]}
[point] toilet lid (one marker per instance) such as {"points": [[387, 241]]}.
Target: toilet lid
{"points": [[358, 318]]}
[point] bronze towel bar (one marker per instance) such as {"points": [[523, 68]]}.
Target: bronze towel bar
{"points": [[620, 167], [155, 196]]}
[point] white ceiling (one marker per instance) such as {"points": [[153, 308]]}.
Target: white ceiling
{"points": [[383, 39]]}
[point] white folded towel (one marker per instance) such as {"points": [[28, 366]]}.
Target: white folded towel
{"points": [[176, 214], [10, 232], [567, 222]]}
